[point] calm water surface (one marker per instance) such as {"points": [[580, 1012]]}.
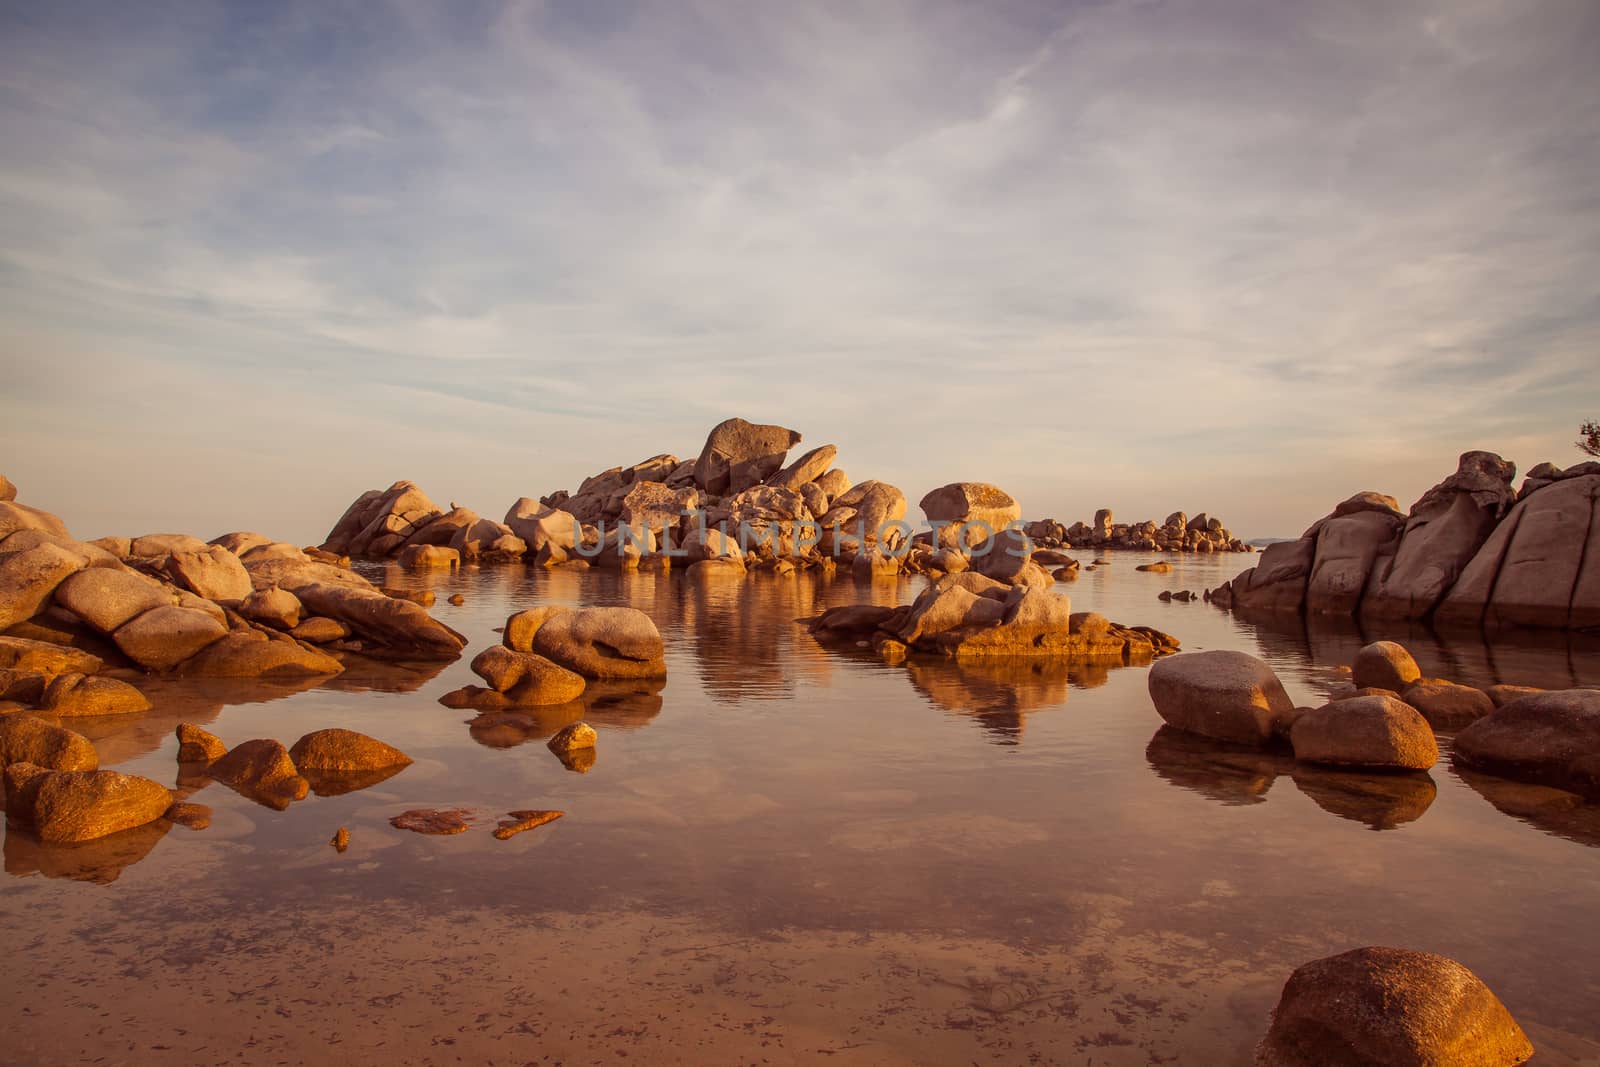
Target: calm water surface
{"points": [[791, 854]]}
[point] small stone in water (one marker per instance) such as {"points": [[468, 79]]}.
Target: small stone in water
{"points": [[457, 599], [194, 816], [433, 820], [524, 820], [341, 839]]}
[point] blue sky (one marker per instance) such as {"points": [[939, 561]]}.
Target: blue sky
{"points": [[1243, 257]]}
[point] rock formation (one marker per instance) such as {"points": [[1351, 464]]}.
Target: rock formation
{"points": [[1470, 552]]}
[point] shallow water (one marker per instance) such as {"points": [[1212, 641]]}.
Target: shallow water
{"points": [[789, 853]]}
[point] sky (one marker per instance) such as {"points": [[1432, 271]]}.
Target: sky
{"points": [[1240, 257]]}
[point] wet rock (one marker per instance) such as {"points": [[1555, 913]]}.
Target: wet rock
{"points": [[272, 606], [1551, 738], [1393, 1007], [850, 621], [164, 637], [875, 564], [26, 739], [526, 678], [106, 598], [64, 807], [211, 572], [27, 579], [70, 695], [1155, 568], [1384, 665], [972, 511], [610, 642], [261, 770], [249, 653], [524, 820], [193, 816], [337, 749], [1447, 705], [438, 821], [318, 630], [738, 454], [571, 738], [198, 746], [1371, 731], [398, 626], [1225, 695], [456, 600], [341, 838], [429, 557]]}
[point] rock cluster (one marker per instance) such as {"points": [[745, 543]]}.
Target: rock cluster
{"points": [[548, 656], [1235, 697], [1470, 552], [328, 762], [240, 606], [1177, 533], [972, 616]]}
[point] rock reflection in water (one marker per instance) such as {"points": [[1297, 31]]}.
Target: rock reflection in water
{"points": [[619, 705], [1000, 693], [1547, 660], [740, 654], [1555, 811], [1232, 774], [100, 861]]}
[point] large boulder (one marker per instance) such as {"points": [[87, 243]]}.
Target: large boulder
{"points": [[1348, 543], [382, 522], [247, 652], [1004, 556], [1384, 665], [66, 807], [864, 512], [42, 657], [106, 598], [603, 643], [1393, 1007], [26, 739], [273, 607], [539, 525], [1278, 581], [738, 454], [28, 577], [971, 511], [1540, 567], [214, 573], [1551, 738], [805, 470], [1221, 694], [1368, 731], [1444, 531], [262, 770], [164, 637], [399, 627], [337, 749]]}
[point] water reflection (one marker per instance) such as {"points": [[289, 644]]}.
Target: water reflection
{"points": [[617, 705], [999, 694], [100, 861], [1234, 775], [1555, 811]]}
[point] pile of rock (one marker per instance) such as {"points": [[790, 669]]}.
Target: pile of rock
{"points": [[972, 616], [329, 762], [1179, 533], [548, 656], [240, 606], [1470, 552]]}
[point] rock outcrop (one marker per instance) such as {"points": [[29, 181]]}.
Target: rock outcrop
{"points": [[1469, 553], [1394, 1007], [1551, 738]]}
